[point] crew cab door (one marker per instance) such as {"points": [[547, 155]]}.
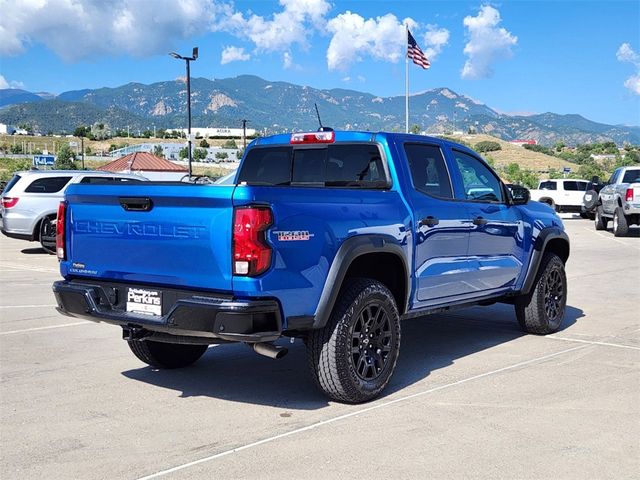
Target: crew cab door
{"points": [[441, 230], [496, 249]]}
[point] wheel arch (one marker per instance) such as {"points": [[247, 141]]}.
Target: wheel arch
{"points": [[550, 239], [373, 256], [36, 226]]}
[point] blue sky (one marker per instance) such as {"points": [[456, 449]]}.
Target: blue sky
{"points": [[515, 56]]}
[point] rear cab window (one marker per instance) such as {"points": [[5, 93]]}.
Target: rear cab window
{"points": [[335, 165], [47, 185], [631, 176], [428, 170]]}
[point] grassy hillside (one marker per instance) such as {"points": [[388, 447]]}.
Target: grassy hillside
{"points": [[527, 159]]}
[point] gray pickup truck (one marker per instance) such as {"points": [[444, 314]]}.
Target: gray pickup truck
{"points": [[619, 200]]}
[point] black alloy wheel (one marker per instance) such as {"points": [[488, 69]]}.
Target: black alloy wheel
{"points": [[371, 341]]}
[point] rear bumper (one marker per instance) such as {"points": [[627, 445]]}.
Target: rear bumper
{"points": [[199, 315], [19, 236]]}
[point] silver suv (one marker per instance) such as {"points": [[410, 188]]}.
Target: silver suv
{"points": [[30, 200]]}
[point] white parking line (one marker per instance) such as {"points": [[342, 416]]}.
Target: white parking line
{"points": [[606, 344], [28, 268], [610, 237], [353, 414], [13, 332], [29, 306]]}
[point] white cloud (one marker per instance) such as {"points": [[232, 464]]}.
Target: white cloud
{"points": [[435, 39], [280, 31], [487, 43], [81, 29], [233, 54], [626, 54], [382, 38], [287, 60], [4, 83]]}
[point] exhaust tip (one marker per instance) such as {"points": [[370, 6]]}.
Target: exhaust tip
{"points": [[270, 350]]}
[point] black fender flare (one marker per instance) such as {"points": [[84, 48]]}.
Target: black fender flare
{"points": [[351, 249], [540, 246]]}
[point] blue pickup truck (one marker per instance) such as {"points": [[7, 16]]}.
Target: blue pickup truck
{"points": [[332, 237]]}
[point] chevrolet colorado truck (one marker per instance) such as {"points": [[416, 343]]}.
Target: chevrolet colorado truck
{"points": [[619, 201], [332, 237]]}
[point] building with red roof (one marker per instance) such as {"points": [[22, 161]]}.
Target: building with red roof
{"points": [[147, 165]]}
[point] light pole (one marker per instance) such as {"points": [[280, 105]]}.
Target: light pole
{"points": [[193, 57], [244, 134]]}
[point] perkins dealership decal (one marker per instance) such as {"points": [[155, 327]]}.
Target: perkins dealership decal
{"points": [[293, 236]]}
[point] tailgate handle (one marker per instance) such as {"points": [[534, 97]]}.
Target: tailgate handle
{"points": [[136, 204]]}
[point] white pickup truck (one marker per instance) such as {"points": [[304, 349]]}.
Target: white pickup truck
{"points": [[561, 194], [619, 200]]}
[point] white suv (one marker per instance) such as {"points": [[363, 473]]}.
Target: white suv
{"points": [[563, 194], [30, 200]]}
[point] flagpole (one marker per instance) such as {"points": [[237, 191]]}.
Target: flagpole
{"points": [[406, 81]]}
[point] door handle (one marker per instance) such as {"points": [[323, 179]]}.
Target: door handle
{"points": [[429, 221], [480, 221], [136, 204]]}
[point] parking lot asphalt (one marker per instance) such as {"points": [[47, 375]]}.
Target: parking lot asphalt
{"points": [[472, 396]]}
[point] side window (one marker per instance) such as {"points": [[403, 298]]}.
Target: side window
{"points": [[614, 176], [548, 185], [631, 176], [480, 183], [107, 180], [571, 185], [355, 166], [428, 170], [582, 186], [47, 185]]}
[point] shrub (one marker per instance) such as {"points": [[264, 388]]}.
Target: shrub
{"points": [[487, 146]]}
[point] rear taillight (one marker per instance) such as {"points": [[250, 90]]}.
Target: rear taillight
{"points": [[629, 195], [60, 236], [9, 202], [251, 252]]}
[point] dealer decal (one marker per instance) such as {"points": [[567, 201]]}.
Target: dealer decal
{"points": [[293, 236]]}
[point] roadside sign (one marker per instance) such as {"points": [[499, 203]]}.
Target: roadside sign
{"points": [[73, 144], [566, 170], [44, 160]]}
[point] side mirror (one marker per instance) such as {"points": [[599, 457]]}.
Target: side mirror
{"points": [[519, 195]]}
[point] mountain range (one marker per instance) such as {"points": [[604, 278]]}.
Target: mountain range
{"points": [[282, 106]]}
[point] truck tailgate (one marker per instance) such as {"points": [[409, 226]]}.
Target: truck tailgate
{"points": [[164, 234]]}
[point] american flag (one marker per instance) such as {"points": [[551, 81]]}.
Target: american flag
{"points": [[415, 54]]}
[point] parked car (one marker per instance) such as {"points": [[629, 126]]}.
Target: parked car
{"points": [[562, 194], [332, 237], [30, 200], [619, 201]]}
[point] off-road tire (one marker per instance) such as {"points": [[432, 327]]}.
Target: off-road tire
{"points": [[338, 362], [589, 205], [620, 224], [541, 311], [166, 355], [600, 221], [47, 234]]}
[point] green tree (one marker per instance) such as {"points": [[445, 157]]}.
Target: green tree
{"points": [[222, 155], [199, 154], [158, 151], [183, 153], [81, 131], [230, 144], [66, 158], [415, 129], [204, 143], [632, 156]]}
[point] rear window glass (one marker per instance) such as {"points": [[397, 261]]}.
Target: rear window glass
{"points": [[10, 184], [107, 180], [548, 186], [572, 186], [356, 165], [631, 176], [47, 185]]}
